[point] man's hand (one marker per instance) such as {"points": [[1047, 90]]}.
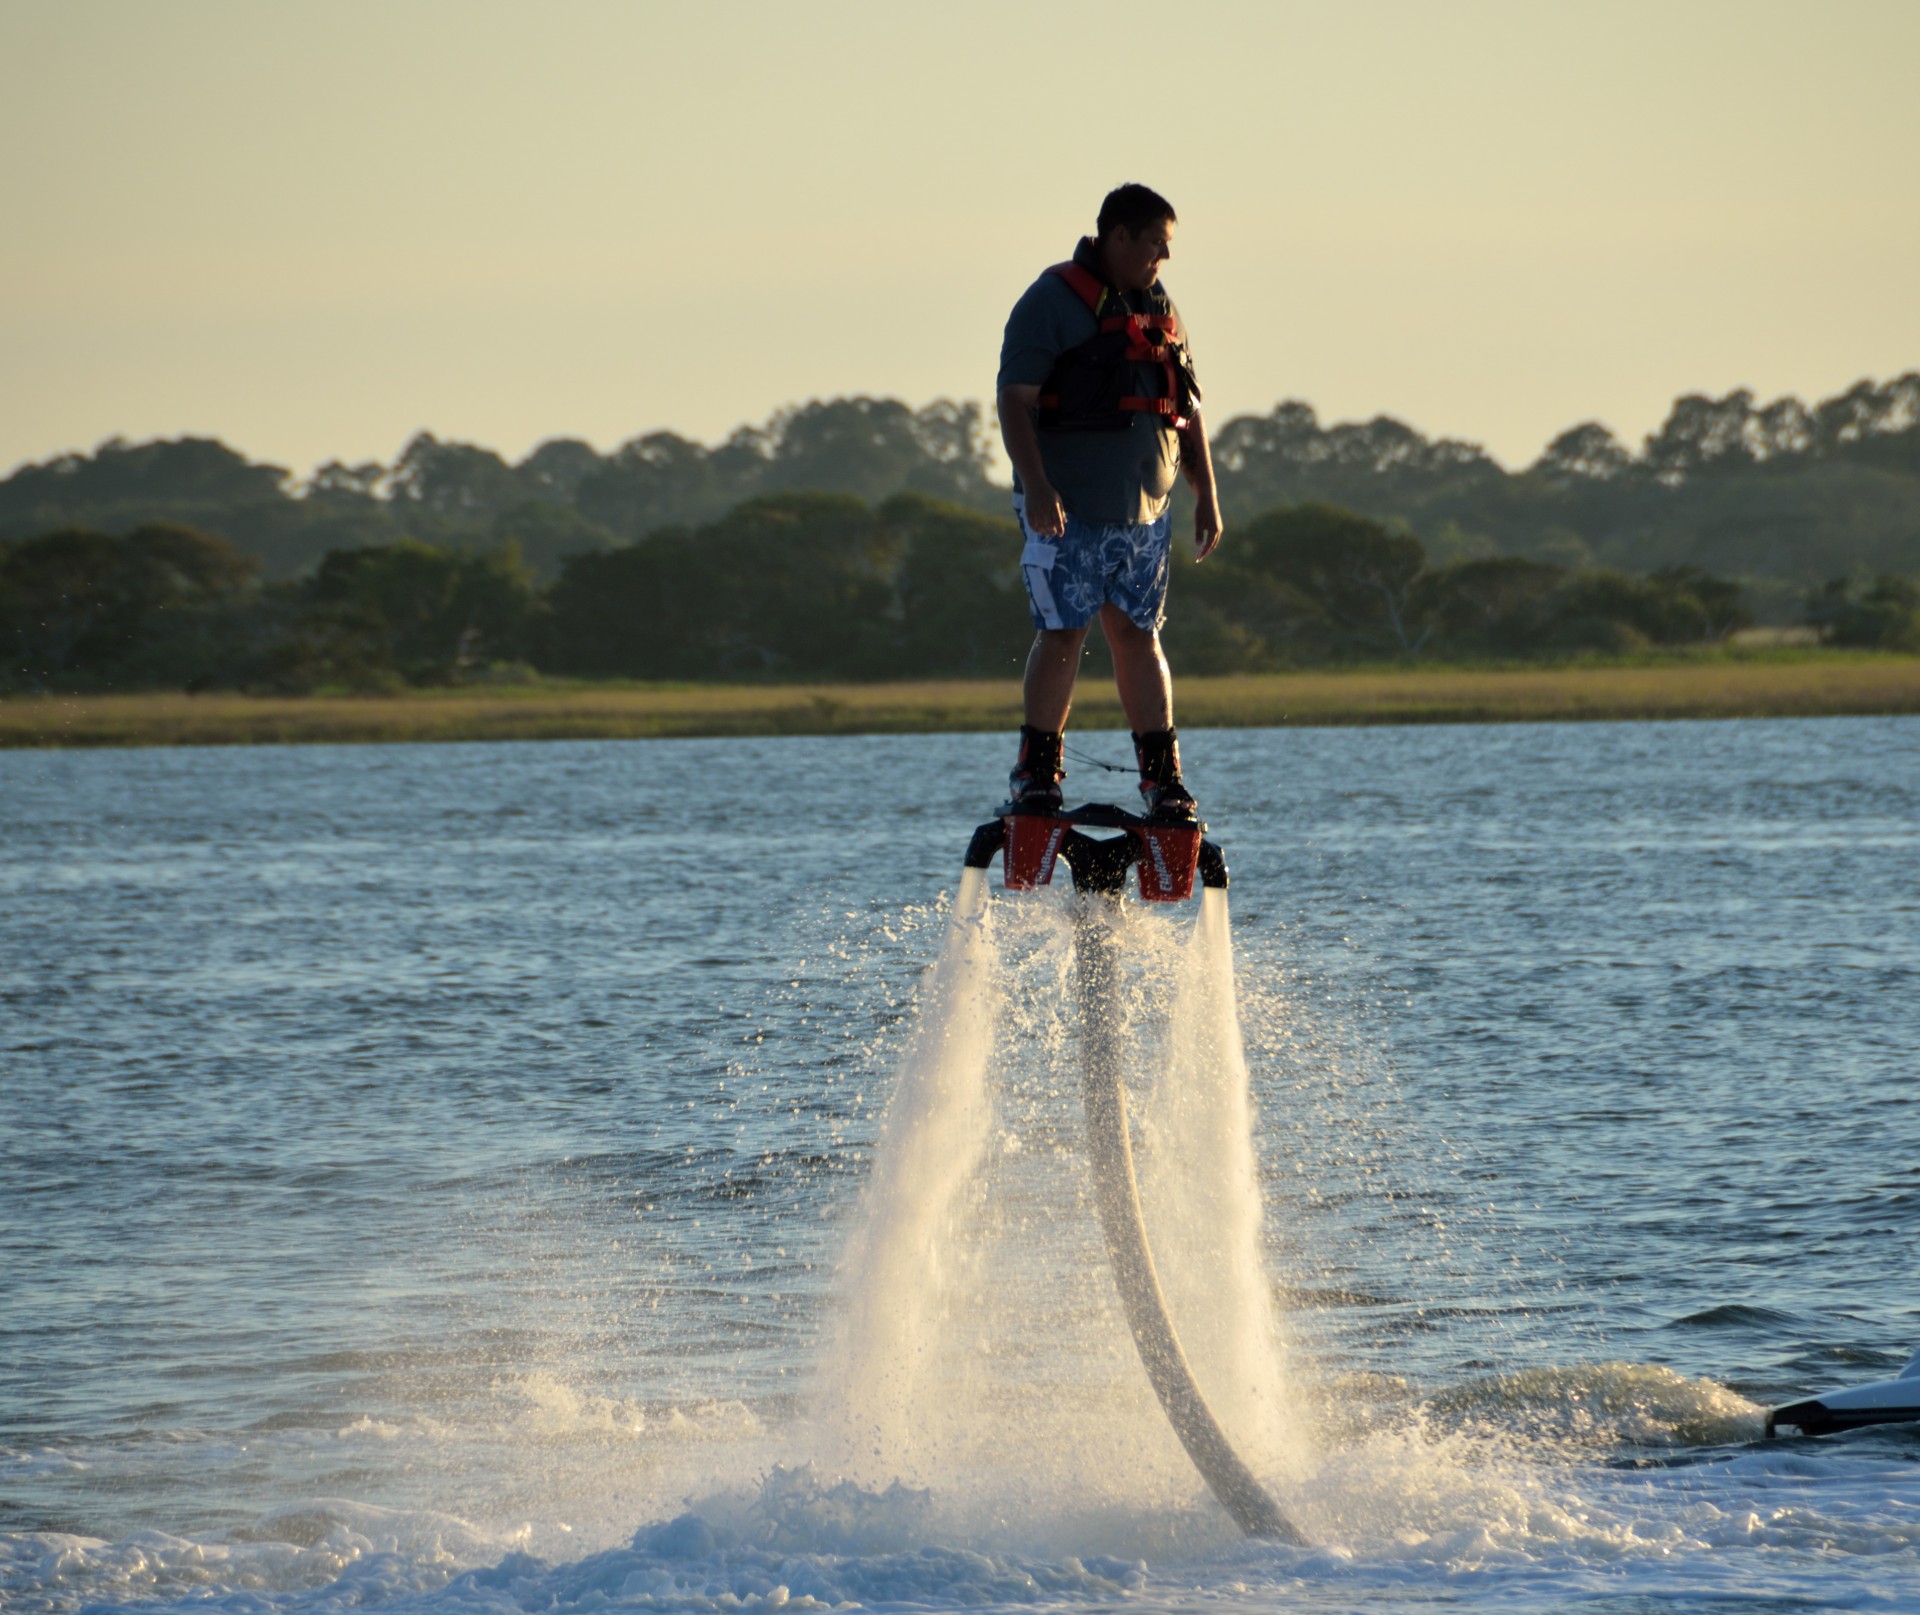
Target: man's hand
{"points": [[1207, 528], [1044, 512], [1196, 463]]}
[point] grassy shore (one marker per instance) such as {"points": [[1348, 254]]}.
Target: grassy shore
{"points": [[1797, 684]]}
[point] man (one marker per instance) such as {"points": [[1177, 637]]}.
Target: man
{"points": [[1099, 410]]}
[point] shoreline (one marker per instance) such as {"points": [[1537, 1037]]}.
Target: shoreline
{"points": [[1810, 685]]}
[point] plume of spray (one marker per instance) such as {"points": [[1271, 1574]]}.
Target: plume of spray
{"points": [[982, 1350], [1200, 1189], [899, 1271]]}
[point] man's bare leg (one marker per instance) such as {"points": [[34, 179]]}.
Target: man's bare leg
{"points": [[1146, 694], [1140, 669], [1052, 666]]}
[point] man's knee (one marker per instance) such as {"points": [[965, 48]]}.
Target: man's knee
{"points": [[1124, 634]]}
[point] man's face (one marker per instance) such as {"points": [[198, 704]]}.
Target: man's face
{"points": [[1133, 261]]}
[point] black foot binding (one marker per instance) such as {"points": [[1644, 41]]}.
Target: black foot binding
{"points": [[1161, 788], [1034, 784]]}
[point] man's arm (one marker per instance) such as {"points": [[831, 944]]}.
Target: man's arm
{"points": [[1196, 463], [1044, 512]]}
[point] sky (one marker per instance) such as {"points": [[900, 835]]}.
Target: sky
{"points": [[312, 228]]}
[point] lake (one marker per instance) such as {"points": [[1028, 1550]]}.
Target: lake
{"points": [[436, 1178]]}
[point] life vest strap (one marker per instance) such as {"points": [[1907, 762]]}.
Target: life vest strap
{"points": [[1168, 407], [1088, 286]]}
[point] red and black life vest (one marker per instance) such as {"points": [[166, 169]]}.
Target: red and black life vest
{"points": [[1094, 387]]}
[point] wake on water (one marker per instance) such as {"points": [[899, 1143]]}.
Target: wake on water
{"points": [[983, 1432]]}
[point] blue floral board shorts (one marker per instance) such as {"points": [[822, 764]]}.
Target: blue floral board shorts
{"points": [[1092, 564]]}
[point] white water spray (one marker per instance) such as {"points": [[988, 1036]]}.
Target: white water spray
{"points": [[985, 1353], [1199, 1186], [900, 1270]]}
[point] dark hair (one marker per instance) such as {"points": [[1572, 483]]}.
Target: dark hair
{"points": [[1132, 208]]}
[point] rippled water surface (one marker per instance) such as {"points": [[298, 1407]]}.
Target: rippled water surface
{"points": [[424, 1170]]}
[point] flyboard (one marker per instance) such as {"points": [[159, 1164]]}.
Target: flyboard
{"points": [[1167, 855]]}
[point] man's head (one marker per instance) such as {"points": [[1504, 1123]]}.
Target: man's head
{"points": [[1134, 235]]}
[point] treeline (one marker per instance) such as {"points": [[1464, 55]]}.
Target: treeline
{"points": [[1780, 497], [563, 499], [817, 586], [803, 585]]}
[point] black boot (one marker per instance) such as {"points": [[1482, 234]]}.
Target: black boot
{"points": [[1165, 794], [1034, 784]]}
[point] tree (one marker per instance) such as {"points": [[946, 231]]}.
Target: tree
{"points": [[962, 611], [453, 479], [639, 611], [122, 486], [1357, 574], [1881, 615], [408, 609], [557, 468], [1719, 435], [351, 487], [1607, 610], [798, 586], [545, 534], [1490, 607], [795, 585], [1587, 453], [80, 602], [875, 447], [1872, 425], [1380, 467], [653, 482], [1721, 607]]}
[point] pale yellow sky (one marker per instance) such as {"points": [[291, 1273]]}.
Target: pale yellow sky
{"points": [[312, 229]]}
